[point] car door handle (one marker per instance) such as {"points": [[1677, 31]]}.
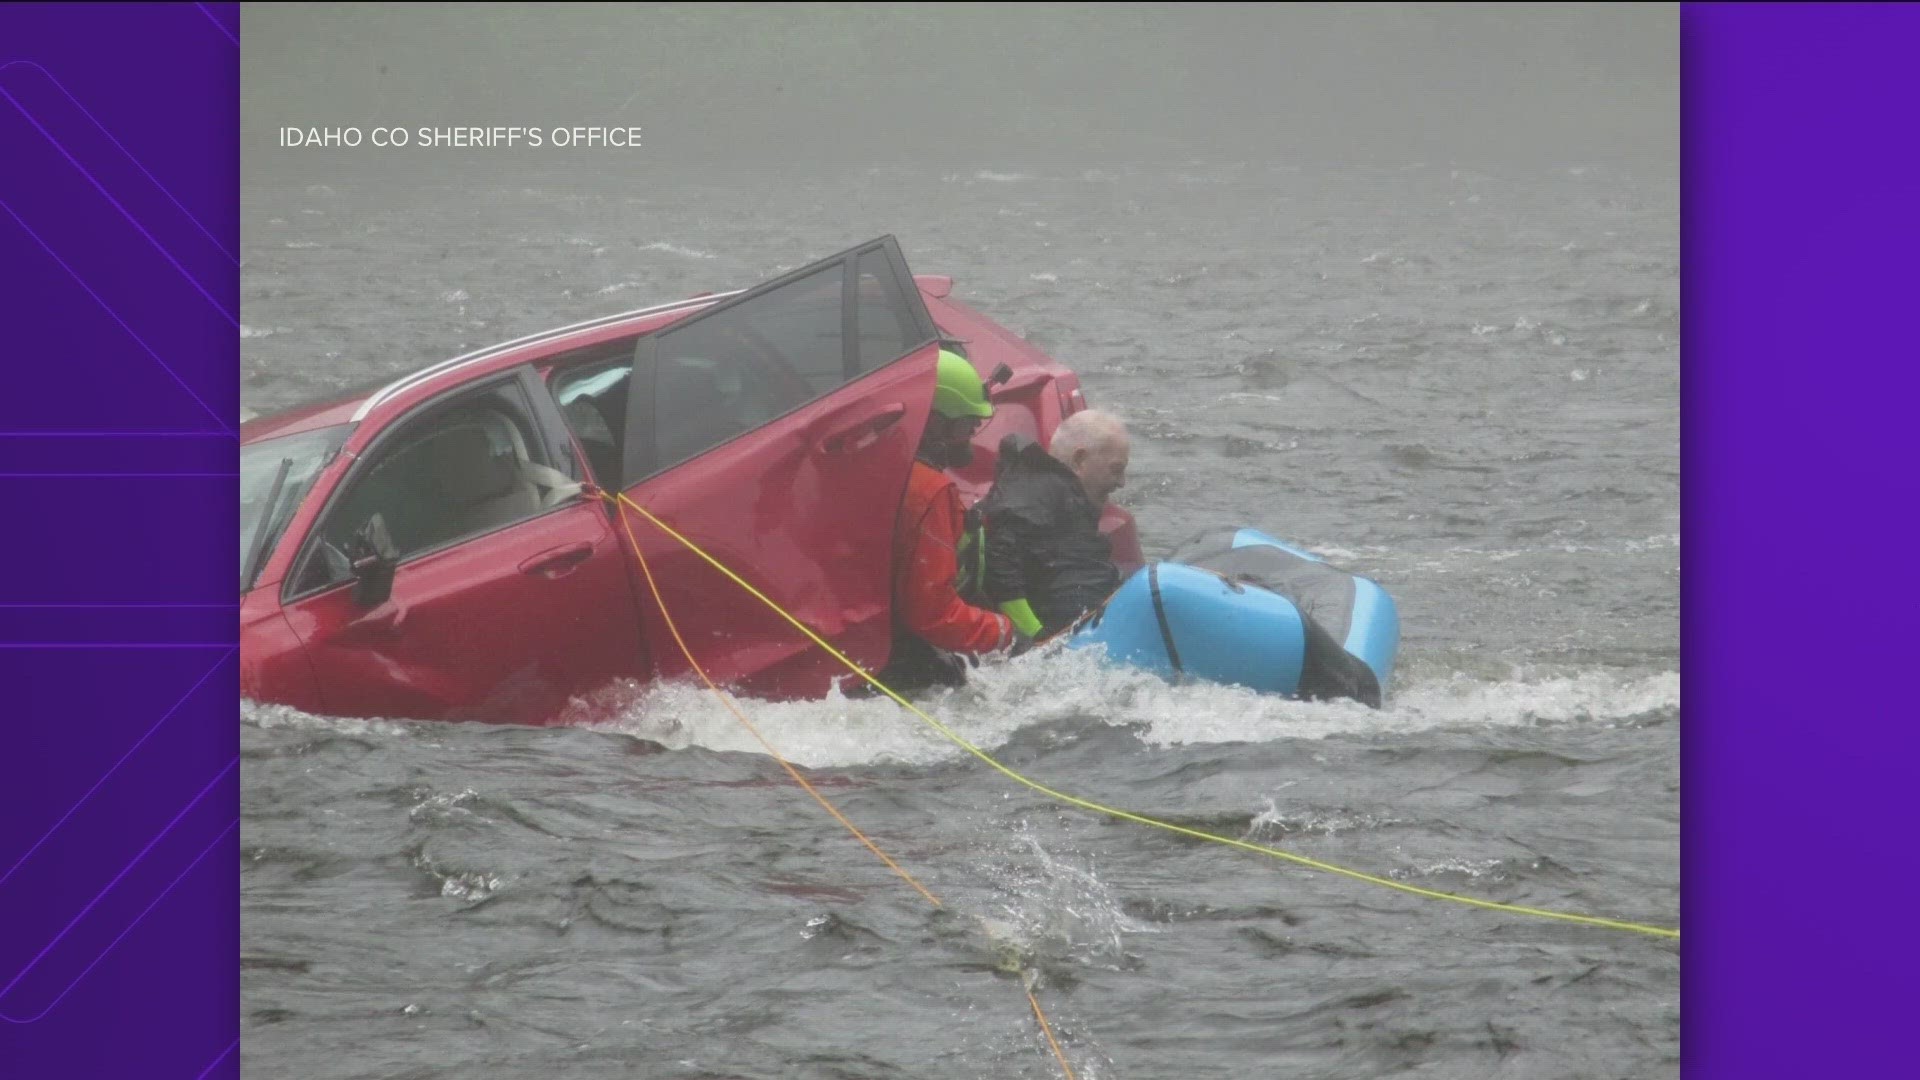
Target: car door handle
{"points": [[863, 432], [558, 561], [382, 625]]}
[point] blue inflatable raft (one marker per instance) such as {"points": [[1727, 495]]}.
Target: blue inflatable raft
{"points": [[1243, 608]]}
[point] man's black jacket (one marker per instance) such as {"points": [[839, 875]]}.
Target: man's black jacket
{"points": [[1043, 538]]}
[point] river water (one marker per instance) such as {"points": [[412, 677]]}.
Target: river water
{"points": [[1463, 386]]}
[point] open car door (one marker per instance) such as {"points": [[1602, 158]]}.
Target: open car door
{"points": [[776, 430]]}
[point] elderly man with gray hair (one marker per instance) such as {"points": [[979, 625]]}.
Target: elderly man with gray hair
{"points": [[1047, 562]]}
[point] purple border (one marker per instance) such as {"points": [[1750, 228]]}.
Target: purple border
{"points": [[1800, 223], [119, 793], [117, 853]]}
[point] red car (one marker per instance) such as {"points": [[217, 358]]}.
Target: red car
{"points": [[440, 548]]}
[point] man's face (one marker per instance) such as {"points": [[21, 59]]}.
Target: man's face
{"points": [[956, 430], [1102, 468], [948, 442]]}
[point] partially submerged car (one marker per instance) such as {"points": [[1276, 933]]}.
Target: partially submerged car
{"points": [[442, 548]]}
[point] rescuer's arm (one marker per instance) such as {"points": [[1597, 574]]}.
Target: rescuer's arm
{"points": [[930, 607]]}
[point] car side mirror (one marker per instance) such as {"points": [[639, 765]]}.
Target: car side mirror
{"points": [[373, 556], [998, 379]]}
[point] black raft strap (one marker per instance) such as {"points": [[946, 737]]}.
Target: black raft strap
{"points": [[1160, 613]]}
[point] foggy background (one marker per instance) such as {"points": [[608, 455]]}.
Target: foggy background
{"points": [[1506, 87]]}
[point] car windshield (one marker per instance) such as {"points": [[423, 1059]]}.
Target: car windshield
{"points": [[274, 477]]}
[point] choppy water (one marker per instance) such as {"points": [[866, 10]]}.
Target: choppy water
{"points": [[1463, 386]]}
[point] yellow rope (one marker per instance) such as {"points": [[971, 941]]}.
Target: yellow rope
{"points": [[1432, 894], [727, 700], [742, 717]]}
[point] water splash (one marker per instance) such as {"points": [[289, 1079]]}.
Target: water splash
{"points": [[1069, 695], [1073, 692], [269, 716], [1054, 909]]}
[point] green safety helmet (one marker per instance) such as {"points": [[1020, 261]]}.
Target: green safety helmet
{"points": [[958, 392]]}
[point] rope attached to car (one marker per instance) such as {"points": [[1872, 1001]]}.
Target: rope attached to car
{"points": [[1124, 815], [727, 700]]}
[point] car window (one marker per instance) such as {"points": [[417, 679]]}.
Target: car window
{"points": [[887, 327], [724, 372], [274, 477], [593, 398], [722, 376], [463, 468], [800, 323]]}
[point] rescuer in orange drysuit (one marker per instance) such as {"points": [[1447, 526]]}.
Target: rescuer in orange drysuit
{"points": [[935, 556]]}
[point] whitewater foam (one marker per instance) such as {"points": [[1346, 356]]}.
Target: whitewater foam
{"points": [[267, 716], [1054, 689], [1072, 691], [676, 249]]}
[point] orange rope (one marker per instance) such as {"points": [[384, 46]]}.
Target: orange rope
{"points": [[728, 702], [1048, 1028], [654, 588]]}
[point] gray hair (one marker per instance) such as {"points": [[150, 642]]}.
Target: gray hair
{"points": [[1085, 430]]}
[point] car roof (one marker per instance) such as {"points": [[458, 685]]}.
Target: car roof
{"points": [[354, 405]]}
